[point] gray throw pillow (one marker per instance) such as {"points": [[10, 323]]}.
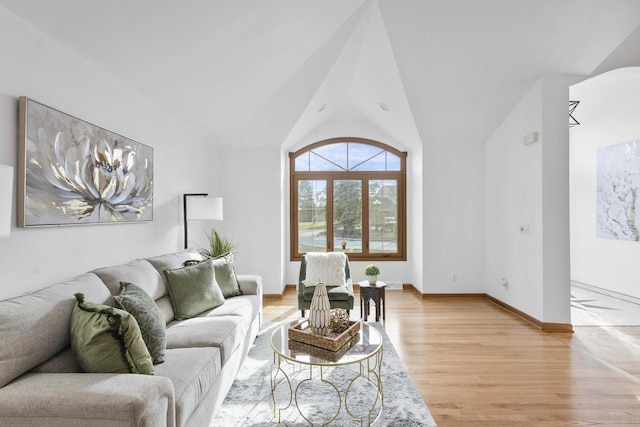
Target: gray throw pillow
{"points": [[107, 340], [140, 305], [193, 289]]}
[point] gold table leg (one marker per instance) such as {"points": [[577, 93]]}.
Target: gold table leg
{"points": [[369, 369]]}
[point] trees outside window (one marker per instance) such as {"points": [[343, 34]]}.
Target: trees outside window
{"points": [[348, 194]]}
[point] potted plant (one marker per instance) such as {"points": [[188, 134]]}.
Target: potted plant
{"points": [[372, 271], [218, 245]]}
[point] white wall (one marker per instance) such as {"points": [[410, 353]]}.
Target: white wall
{"points": [[415, 221], [513, 191], [250, 178], [556, 271], [608, 113], [36, 66], [453, 217], [527, 185]]}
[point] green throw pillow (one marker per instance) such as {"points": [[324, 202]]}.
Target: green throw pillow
{"points": [[107, 340], [225, 275], [193, 289], [143, 308]]}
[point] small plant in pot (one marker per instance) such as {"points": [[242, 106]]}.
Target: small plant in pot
{"points": [[372, 271], [218, 245]]}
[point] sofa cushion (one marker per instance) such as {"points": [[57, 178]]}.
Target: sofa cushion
{"points": [[151, 322], [82, 400], [224, 332], [34, 327], [244, 306], [192, 372], [174, 260], [139, 271], [193, 289], [166, 308], [63, 362], [107, 340]]}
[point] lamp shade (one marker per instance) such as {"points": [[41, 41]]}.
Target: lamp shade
{"points": [[6, 199], [205, 208]]}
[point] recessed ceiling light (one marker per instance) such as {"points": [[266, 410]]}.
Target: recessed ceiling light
{"points": [[322, 107], [384, 106]]}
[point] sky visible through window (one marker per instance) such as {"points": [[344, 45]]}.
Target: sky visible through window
{"points": [[347, 156]]}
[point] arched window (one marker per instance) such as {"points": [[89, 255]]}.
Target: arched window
{"points": [[348, 194]]}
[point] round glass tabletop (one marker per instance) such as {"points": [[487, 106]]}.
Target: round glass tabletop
{"points": [[362, 346]]}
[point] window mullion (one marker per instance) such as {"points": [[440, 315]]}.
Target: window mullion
{"points": [[365, 217], [329, 184]]}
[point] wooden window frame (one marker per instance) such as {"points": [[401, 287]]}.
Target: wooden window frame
{"points": [[364, 176]]}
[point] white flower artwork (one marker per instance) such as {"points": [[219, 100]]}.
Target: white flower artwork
{"points": [[78, 173], [618, 187]]}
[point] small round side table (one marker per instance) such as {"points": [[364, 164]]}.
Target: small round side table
{"points": [[372, 292]]}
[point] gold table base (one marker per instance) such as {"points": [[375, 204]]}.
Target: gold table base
{"points": [[291, 374]]}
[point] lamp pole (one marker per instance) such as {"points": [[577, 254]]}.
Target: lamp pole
{"points": [[186, 220]]}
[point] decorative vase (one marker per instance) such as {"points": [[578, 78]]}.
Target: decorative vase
{"points": [[320, 310], [372, 279]]}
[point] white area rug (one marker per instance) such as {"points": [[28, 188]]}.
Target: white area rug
{"points": [[247, 403]]}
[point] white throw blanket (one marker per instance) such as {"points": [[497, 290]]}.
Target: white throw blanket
{"points": [[325, 267]]}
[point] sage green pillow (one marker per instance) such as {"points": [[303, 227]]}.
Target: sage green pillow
{"points": [[193, 289], [107, 340], [138, 303], [225, 275]]}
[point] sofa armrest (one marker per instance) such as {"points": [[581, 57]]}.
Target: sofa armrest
{"points": [[250, 284], [78, 399]]}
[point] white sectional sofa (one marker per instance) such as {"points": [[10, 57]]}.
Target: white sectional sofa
{"points": [[42, 384]]}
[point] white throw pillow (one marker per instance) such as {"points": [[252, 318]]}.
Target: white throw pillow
{"points": [[327, 268]]}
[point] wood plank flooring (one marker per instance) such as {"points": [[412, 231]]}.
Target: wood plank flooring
{"points": [[476, 364]]}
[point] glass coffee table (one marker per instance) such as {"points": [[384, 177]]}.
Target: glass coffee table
{"points": [[317, 384]]}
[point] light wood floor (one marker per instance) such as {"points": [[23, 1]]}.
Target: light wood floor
{"points": [[476, 364]]}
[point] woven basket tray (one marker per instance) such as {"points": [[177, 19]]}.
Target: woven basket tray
{"points": [[297, 347], [302, 333]]}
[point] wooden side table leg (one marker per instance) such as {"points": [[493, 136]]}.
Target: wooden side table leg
{"points": [[363, 307], [365, 298], [384, 305], [376, 301]]}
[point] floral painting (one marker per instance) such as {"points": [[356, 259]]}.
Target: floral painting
{"points": [[618, 187], [77, 173]]}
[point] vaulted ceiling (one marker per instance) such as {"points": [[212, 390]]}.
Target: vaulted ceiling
{"points": [[270, 72]]}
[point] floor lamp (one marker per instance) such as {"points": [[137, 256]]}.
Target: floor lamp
{"points": [[200, 207], [6, 199]]}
